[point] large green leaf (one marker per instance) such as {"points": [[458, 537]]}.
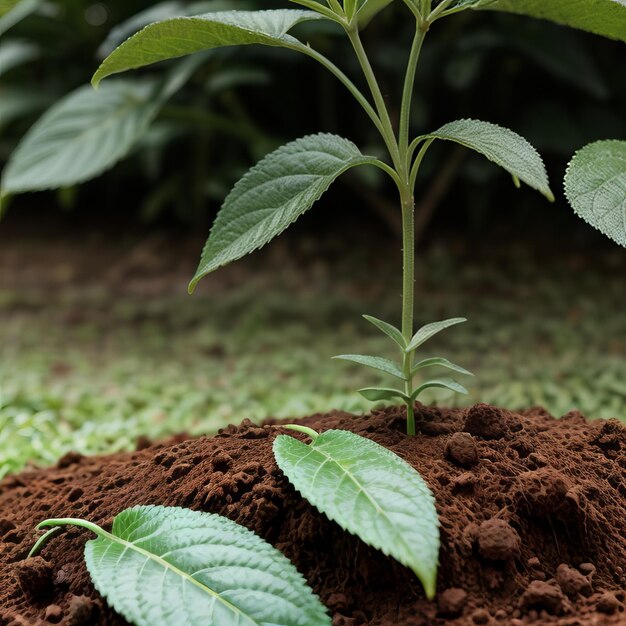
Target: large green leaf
{"points": [[13, 12], [273, 194], [176, 567], [14, 52], [595, 185], [502, 146], [370, 492], [602, 17], [185, 35], [81, 136], [391, 331]]}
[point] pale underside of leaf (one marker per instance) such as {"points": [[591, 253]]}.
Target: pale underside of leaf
{"points": [[502, 146], [375, 362], [176, 567], [370, 492], [391, 331], [446, 383], [428, 331], [595, 186], [602, 17], [185, 35], [81, 136], [440, 362], [273, 194]]}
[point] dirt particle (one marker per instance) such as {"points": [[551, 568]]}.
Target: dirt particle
{"points": [[461, 448], [543, 492], [608, 603], [69, 458], [542, 596], [481, 616], [180, 470], [497, 540], [81, 611], [486, 421], [572, 582], [222, 462], [53, 614], [75, 494], [451, 602], [34, 576]]}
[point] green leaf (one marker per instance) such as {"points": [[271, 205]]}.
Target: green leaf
{"points": [[375, 362], [502, 146], [15, 52], [391, 331], [81, 136], [430, 330], [12, 12], [273, 194], [446, 383], [602, 17], [370, 492], [377, 394], [173, 566], [440, 362], [185, 35], [595, 185], [369, 9]]}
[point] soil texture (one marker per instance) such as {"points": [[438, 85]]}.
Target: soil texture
{"points": [[532, 511]]}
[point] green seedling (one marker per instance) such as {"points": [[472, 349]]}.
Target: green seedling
{"points": [[348, 477], [166, 566]]}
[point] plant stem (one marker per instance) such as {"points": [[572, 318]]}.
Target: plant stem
{"points": [[381, 106], [409, 83], [408, 292]]}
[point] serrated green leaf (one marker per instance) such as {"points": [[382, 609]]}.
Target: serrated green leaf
{"points": [[446, 383], [502, 146], [440, 362], [14, 52], [81, 136], [185, 35], [391, 331], [377, 394], [176, 567], [370, 492], [375, 362], [595, 186], [602, 17], [273, 194], [430, 330]]}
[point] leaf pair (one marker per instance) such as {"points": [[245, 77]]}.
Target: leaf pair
{"points": [[176, 567]]}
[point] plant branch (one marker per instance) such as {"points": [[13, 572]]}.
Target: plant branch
{"points": [[418, 162], [409, 83], [383, 113]]}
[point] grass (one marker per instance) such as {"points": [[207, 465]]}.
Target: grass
{"points": [[84, 369]]}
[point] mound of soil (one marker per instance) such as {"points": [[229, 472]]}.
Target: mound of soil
{"points": [[532, 510]]}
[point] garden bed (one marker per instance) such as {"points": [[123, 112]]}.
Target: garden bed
{"points": [[532, 511]]}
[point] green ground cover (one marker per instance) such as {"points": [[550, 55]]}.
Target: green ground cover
{"points": [[82, 368]]}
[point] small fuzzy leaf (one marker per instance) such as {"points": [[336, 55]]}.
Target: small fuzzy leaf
{"points": [[391, 331], [180, 36], [370, 492], [375, 362], [377, 394], [502, 146], [177, 567], [430, 330], [446, 383], [273, 194], [440, 362], [602, 17], [81, 136], [595, 185]]}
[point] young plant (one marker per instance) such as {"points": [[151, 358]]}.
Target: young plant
{"points": [[365, 488], [171, 566]]}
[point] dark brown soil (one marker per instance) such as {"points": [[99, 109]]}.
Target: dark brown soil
{"points": [[533, 520]]}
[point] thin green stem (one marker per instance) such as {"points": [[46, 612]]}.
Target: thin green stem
{"points": [[439, 10], [418, 162], [352, 88], [381, 106], [409, 83], [303, 429]]}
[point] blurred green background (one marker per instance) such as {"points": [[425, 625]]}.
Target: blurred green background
{"points": [[99, 343]]}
